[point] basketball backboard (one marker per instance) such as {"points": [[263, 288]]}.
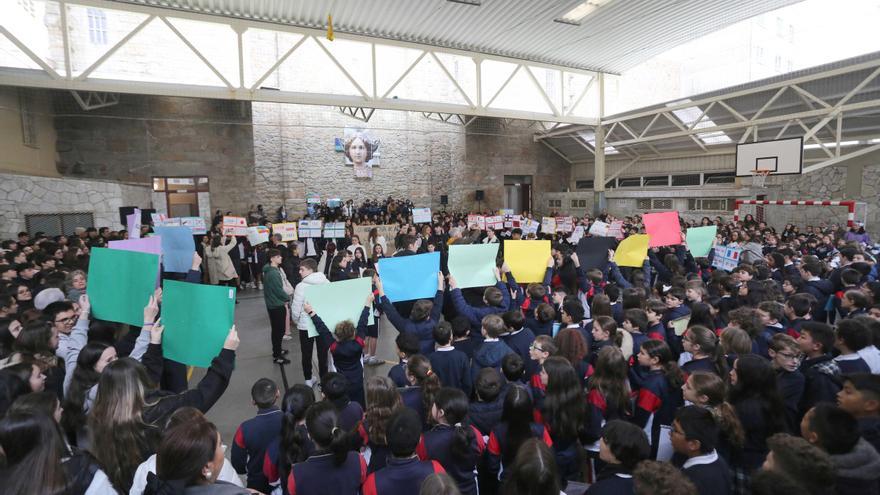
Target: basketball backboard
{"points": [[780, 157]]}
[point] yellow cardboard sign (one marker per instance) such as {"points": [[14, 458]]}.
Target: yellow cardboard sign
{"points": [[632, 251], [286, 229], [527, 259]]}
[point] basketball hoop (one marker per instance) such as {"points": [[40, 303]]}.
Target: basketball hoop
{"points": [[759, 177]]}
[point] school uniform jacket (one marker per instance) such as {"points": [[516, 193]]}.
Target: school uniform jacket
{"points": [[453, 367], [400, 476], [272, 459], [423, 329], [612, 480], [484, 415], [475, 314], [319, 475], [694, 365], [436, 445], [249, 446], [397, 373], [379, 453], [822, 381], [413, 399], [709, 473], [498, 442], [520, 341], [851, 363], [347, 355], [656, 403], [791, 389], [489, 355]]}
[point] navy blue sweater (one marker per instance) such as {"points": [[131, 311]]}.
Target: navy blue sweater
{"points": [[400, 476], [612, 480], [423, 329], [712, 478], [436, 445], [319, 475], [489, 355], [249, 447], [453, 367], [475, 314], [520, 341]]}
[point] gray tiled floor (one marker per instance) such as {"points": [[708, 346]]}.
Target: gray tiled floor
{"points": [[254, 361]]}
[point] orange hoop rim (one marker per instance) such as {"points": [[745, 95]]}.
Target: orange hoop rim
{"points": [[762, 171]]}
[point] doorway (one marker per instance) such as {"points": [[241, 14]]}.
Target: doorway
{"points": [[181, 194], [518, 192]]}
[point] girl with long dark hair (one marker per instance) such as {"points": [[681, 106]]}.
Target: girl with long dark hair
{"points": [[294, 444], [383, 400], [456, 446], [659, 395], [516, 427], [565, 414]]}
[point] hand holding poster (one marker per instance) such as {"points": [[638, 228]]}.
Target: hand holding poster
{"points": [[576, 235], [527, 259], [548, 225], [337, 301], [258, 235], [410, 277], [663, 228], [234, 226], [286, 229], [421, 215], [197, 320], [473, 265], [700, 239], [726, 257], [593, 252], [615, 230], [529, 226], [495, 223], [632, 251]]}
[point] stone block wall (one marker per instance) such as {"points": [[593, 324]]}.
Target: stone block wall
{"points": [[146, 136], [22, 194], [294, 156]]}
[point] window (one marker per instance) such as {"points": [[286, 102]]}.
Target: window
{"points": [[686, 180], [629, 182], [654, 204], [180, 184], [708, 204], [657, 180], [97, 26], [554, 203], [53, 224], [579, 203], [719, 178], [583, 184], [590, 138]]}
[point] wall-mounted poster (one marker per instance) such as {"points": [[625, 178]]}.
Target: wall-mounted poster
{"points": [[361, 151]]}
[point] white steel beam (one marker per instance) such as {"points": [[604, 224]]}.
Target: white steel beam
{"points": [[842, 158], [235, 87]]}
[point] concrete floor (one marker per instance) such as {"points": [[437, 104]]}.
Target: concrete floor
{"points": [[254, 361]]}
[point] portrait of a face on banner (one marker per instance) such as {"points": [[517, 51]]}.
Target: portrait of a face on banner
{"points": [[361, 151]]}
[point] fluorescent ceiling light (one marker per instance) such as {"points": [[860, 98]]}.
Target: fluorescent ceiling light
{"points": [[813, 146], [577, 15]]}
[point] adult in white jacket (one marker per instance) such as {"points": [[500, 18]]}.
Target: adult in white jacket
{"points": [[310, 276]]}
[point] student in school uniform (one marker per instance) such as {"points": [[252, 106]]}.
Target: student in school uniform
{"points": [[622, 447], [423, 384], [515, 428], [675, 310], [654, 310], [572, 316], [452, 366], [495, 299], [797, 312], [542, 348], [461, 336], [517, 336], [658, 396], [821, 372], [855, 303], [694, 435], [784, 353], [404, 472], [456, 446], [493, 349], [293, 444], [852, 337], [347, 347], [422, 319], [383, 400], [336, 390], [254, 435], [635, 321], [604, 333], [706, 351], [772, 315], [407, 346], [333, 467], [860, 396], [488, 404]]}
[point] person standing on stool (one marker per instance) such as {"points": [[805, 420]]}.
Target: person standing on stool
{"points": [[276, 302], [308, 270]]}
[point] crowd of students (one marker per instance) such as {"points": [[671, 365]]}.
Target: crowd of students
{"points": [[579, 382]]}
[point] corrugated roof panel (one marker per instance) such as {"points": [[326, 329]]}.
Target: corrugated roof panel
{"points": [[616, 37]]}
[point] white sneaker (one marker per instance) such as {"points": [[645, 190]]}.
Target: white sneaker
{"points": [[259, 285], [310, 383], [286, 337]]}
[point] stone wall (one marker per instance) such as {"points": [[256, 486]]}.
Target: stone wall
{"points": [[146, 136], [21, 195], [496, 148], [294, 156]]}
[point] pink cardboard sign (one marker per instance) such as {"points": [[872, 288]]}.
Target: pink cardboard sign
{"points": [[663, 228]]}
